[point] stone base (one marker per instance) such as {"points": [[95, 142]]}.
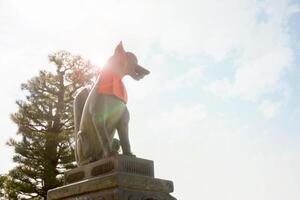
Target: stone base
{"points": [[125, 178], [116, 186], [117, 163], [119, 194]]}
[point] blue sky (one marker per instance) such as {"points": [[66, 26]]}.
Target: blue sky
{"points": [[219, 113]]}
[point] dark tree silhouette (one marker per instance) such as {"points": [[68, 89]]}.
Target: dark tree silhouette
{"points": [[45, 127]]}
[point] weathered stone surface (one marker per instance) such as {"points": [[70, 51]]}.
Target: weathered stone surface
{"points": [[123, 194], [117, 163], [108, 183], [116, 178]]}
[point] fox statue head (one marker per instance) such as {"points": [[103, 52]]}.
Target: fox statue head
{"points": [[126, 63]]}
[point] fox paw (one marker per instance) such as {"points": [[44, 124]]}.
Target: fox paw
{"points": [[129, 154]]}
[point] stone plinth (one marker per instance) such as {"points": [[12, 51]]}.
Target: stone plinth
{"points": [[118, 163], [116, 178]]}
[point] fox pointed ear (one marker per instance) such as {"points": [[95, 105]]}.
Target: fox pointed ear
{"points": [[119, 50]]}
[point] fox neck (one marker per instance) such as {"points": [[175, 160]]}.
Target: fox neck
{"points": [[116, 68]]}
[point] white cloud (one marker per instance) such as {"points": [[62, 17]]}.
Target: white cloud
{"points": [[264, 54], [175, 120], [270, 109], [190, 78], [221, 88], [261, 75], [209, 156], [294, 9]]}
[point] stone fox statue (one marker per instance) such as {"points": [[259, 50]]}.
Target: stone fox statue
{"points": [[101, 110]]}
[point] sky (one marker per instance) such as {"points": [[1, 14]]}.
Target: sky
{"points": [[219, 113]]}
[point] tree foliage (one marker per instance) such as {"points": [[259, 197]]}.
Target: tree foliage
{"points": [[2, 181], [45, 127]]}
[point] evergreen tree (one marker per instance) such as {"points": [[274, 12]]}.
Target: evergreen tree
{"points": [[45, 124], [2, 180]]}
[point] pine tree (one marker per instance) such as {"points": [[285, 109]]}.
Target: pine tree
{"points": [[45, 124], [2, 181]]}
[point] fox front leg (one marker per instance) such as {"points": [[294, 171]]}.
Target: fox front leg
{"points": [[102, 135], [122, 129]]}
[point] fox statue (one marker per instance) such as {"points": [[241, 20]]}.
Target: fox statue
{"points": [[101, 110]]}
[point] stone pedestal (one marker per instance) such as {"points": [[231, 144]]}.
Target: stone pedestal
{"points": [[117, 178]]}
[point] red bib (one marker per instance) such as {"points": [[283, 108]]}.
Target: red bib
{"points": [[111, 83]]}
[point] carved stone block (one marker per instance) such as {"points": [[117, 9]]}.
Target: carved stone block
{"points": [[116, 178], [117, 163]]}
